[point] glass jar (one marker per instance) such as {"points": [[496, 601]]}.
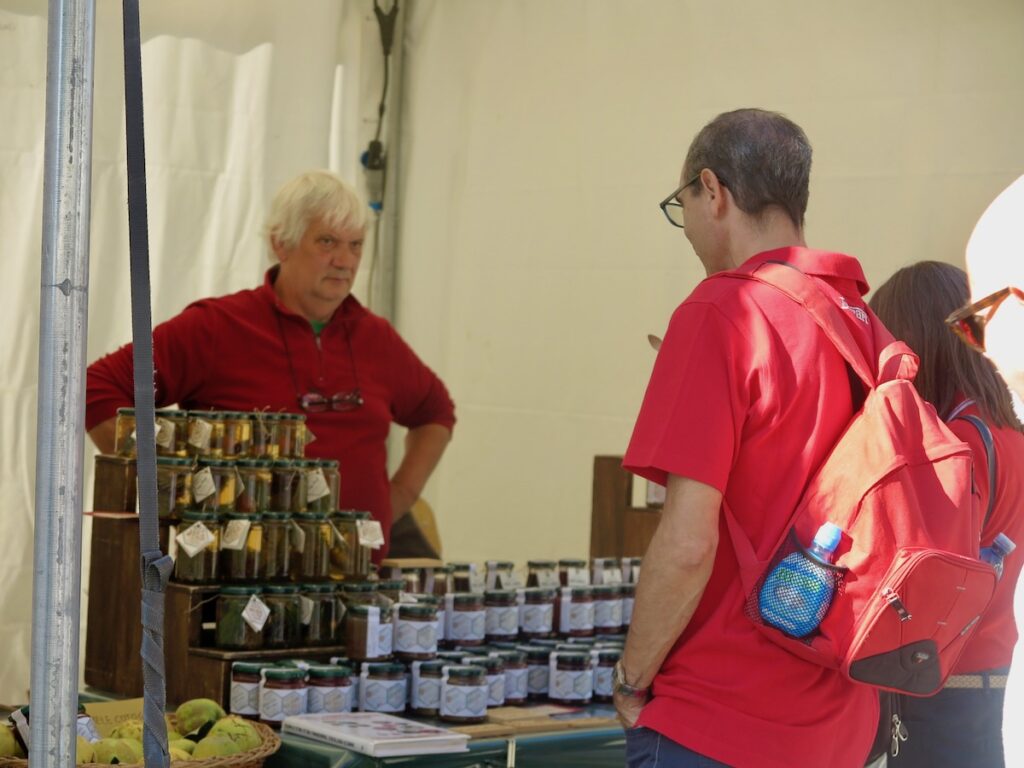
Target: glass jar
{"points": [[237, 441], [124, 432], [467, 619], [288, 486], [573, 573], [608, 609], [199, 567], [241, 548], [323, 611], [572, 679], [462, 577], [358, 593], [502, 614], [291, 436], [362, 633], [330, 689], [604, 673], [464, 695], [628, 597], [538, 672], [265, 430], [384, 689], [311, 560], [233, 631], [538, 614], [173, 486], [350, 561], [542, 573], [425, 693], [283, 693], [516, 673], [245, 688], [630, 569], [322, 485], [605, 570], [576, 611], [415, 632], [172, 432], [442, 581], [276, 545], [500, 574], [282, 628], [215, 486], [495, 669], [256, 477], [410, 578], [391, 589], [206, 434]]}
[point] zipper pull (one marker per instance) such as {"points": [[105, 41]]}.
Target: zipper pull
{"points": [[890, 596], [899, 734]]}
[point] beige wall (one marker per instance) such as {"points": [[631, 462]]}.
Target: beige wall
{"points": [[539, 137]]}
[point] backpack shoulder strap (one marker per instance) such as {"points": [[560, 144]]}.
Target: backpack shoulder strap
{"points": [[990, 453]]}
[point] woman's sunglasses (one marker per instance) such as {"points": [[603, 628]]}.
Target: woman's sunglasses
{"points": [[969, 323]]}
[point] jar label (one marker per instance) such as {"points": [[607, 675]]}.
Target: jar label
{"points": [[537, 679], [548, 578], [203, 486], [195, 539], [608, 575], [415, 636], [305, 610], [277, 703], [335, 698], [316, 485], [515, 683], [578, 577], [467, 625], [373, 633], [370, 533], [245, 698], [575, 617], [496, 690], [310, 437], [538, 619], [572, 684], [463, 700], [502, 620], [627, 611], [385, 639], [426, 694], [440, 624], [383, 695], [199, 434], [235, 534], [256, 613], [607, 613], [298, 537], [603, 681], [165, 434]]}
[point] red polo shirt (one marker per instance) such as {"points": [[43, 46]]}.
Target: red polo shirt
{"points": [[748, 396]]}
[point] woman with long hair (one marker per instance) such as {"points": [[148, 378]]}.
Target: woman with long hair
{"points": [[961, 725]]}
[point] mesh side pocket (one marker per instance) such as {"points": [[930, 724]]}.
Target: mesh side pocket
{"points": [[795, 591]]}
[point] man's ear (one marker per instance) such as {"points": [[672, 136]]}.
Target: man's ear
{"points": [[279, 250], [715, 191]]}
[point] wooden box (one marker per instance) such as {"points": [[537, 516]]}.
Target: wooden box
{"points": [[114, 484], [617, 528]]}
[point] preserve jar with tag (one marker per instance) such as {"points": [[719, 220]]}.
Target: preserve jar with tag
{"points": [[322, 612], [573, 573], [415, 632], [538, 671], [234, 628], [603, 672], [322, 485], [425, 694], [502, 614], [171, 432], [362, 633], [265, 428], [256, 477], [628, 598], [462, 577], [284, 693], [282, 628], [605, 570], [173, 486], [330, 689], [608, 609], [215, 485], [538, 612], [350, 560], [237, 443], [291, 436], [467, 619], [276, 545], [516, 673], [241, 547], [576, 611], [310, 560], [124, 432], [572, 679], [206, 434], [384, 688], [495, 669], [500, 574], [198, 548], [542, 573], [464, 695], [288, 486], [245, 688]]}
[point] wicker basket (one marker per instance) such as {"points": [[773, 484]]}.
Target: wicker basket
{"points": [[252, 758]]}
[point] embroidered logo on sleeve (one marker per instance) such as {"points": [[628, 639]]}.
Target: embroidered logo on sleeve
{"points": [[859, 313]]}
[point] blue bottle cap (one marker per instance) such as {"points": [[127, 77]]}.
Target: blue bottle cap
{"points": [[1005, 543], [828, 537]]}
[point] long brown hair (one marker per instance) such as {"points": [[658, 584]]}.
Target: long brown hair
{"points": [[914, 304]]}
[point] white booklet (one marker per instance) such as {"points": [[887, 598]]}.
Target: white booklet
{"points": [[376, 734]]}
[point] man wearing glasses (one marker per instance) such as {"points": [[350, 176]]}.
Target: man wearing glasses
{"points": [[746, 399], [300, 343], [994, 324]]}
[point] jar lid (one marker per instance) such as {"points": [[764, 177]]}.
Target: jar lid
{"points": [[569, 563], [511, 656], [541, 564], [609, 654], [306, 463], [503, 645], [346, 670], [468, 598], [357, 513], [284, 673], [207, 415], [318, 517], [433, 667], [255, 463], [254, 517], [573, 658], [292, 417], [359, 586], [247, 667], [473, 673], [431, 600], [281, 589], [572, 647], [390, 585], [385, 669], [503, 596], [536, 653], [606, 561], [328, 463], [125, 411], [504, 564], [346, 515], [633, 560], [450, 656], [266, 416], [318, 588], [540, 593], [491, 663], [606, 590], [240, 589], [360, 610], [173, 461], [416, 611], [582, 592], [277, 515], [628, 590], [544, 642], [221, 463], [198, 514], [462, 566], [327, 671], [237, 415]]}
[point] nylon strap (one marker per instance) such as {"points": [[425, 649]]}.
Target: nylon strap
{"points": [[156, 566], [990, 454]]}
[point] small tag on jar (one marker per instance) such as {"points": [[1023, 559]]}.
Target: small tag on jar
{"points": [[203, 486], [608, 576], [256, 613], [199, 434], [298, 537], [195, 539], [165, 433], [370, 533], [339, 539], [513, 581], [310, 437], [305, 610], [316, 485], [578, 577], [547, 577], [235, 533], [239, 484]]}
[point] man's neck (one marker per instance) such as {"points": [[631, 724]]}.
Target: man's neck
{"points": [[754, 239], [316, 312]]}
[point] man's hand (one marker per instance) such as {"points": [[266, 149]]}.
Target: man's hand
{"points": [[628, 708]]}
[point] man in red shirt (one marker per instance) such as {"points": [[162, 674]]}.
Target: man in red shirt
{"points": [[300, 343], [746, 399]]}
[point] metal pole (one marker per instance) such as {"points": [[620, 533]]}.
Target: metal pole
{"points": [[63, 314]]}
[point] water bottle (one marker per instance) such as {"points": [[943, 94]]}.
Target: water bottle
{"points": [[798, 591], [993, 555]]}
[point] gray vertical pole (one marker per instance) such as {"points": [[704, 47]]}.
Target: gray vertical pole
{"points": [[57, 571]]}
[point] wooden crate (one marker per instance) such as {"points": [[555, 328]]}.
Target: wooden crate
{"points": [[617, 528], [114, 484]]}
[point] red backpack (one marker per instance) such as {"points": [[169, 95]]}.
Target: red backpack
{"points": [[909, 587]]}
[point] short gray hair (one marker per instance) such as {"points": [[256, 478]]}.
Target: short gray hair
{"points": [[307, 196], [763, 158]]}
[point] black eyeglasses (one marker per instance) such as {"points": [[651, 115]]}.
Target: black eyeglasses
{"points": [[671, 206], [314, 402], [969, 324]]}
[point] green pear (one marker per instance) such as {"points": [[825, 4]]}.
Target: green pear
{"points": [[239, 730], [194, 714], [179, 754], [84, 752], [136, 747], [215, 746], [121, 750], [9, 746], [185, 745], [129, 729]]}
